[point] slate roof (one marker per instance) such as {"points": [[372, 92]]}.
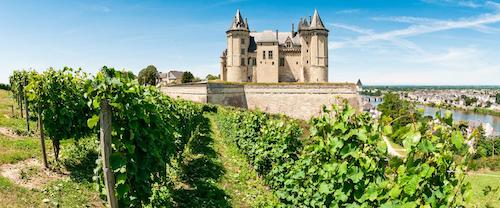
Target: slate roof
{"points": [[238, 22], [176, 74], [267, 36], [316, 23]]}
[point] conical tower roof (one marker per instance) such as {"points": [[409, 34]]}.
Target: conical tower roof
{"points": [[238, 22], [316, 23]]}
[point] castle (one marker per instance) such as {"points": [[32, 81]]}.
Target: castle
{"points": [[272, 56]]}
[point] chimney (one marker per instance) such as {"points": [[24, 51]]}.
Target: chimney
{"points": [[277, 35], [292, 28]]}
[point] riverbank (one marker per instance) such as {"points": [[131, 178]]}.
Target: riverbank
{"points": [[477, 110]]}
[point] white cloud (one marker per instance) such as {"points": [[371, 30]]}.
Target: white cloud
{"points": [[430, 21], [348, 11], [492, 4], [466, 3], [419, 29]]}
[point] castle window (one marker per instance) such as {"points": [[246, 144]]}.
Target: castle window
{"points": [[282, 61], [242, 51], [307, 62], [242, 41], [263, 54], [273, 63], [270, 54], [243, 61], [307, 51]]}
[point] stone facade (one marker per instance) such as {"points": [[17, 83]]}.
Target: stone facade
{"points": [[301, 101], [273, 56]]}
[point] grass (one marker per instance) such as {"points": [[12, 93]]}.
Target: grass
{"points": [[14, 122], [240, 181], [15, 150], [12, 195], [479, 182]]}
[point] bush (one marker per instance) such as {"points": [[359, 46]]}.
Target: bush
{"points": [[4, 86], [147, 76], [187, 77], [267, 142], [149, 129], [345, 162]]}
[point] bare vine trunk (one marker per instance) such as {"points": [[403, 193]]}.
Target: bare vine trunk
{"points": [[56, 146]]}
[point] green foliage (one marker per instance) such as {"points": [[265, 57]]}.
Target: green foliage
{"points": [[212, 77], [187, 77], [148, 129], [397, 113], [147, 76], [486, 146], [345, 161], [4, 86], [372, 92], [18, 81], [468, 100], [497, 98], [267, 142], [341, 167], [58, 95]]}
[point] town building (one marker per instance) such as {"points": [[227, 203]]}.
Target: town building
{"points": [[171, 77], [274, 56]]}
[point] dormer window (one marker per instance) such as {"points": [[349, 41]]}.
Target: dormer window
{"points": [[288, 42]]}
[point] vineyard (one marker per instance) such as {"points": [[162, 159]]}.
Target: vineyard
{"points": [[122, 144]]}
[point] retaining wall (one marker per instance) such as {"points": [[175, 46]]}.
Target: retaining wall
{"points": [[300, 101]]}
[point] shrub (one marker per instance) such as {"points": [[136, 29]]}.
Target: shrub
{"points": [[4, 86]]}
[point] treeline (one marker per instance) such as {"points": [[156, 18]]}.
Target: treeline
{"points": [[149, 129], [343, 161]]}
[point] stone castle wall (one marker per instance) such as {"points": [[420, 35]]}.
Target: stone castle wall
{"points": [[300, 101]]}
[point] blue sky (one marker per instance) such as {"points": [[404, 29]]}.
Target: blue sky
{"points": [[442, 42]]}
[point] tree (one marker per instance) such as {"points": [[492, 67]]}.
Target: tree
{"points": [[187, 77], [497, 98], [397, 111], [212, 77], [148, 75], [130, 74], [4, 86]]}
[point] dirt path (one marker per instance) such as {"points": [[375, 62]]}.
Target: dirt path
{"points": [[392, 151], [29, 174], [8, 132]]}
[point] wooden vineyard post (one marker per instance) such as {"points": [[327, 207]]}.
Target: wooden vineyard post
{"points": [[27, 112], [12, 108], [20, 101], [105, 134], [42, 140]]}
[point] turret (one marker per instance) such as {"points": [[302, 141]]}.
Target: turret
{"points": [[314, 41], [238, 38]]}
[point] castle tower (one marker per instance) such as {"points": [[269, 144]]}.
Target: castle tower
{"points": [[314, 40], [238, 38], [305, 42], [319, 50]]}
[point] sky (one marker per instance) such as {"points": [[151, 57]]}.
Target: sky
{"points": [[421, 42]]}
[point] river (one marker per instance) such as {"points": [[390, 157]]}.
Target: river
{"points": [[494, 121]]}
